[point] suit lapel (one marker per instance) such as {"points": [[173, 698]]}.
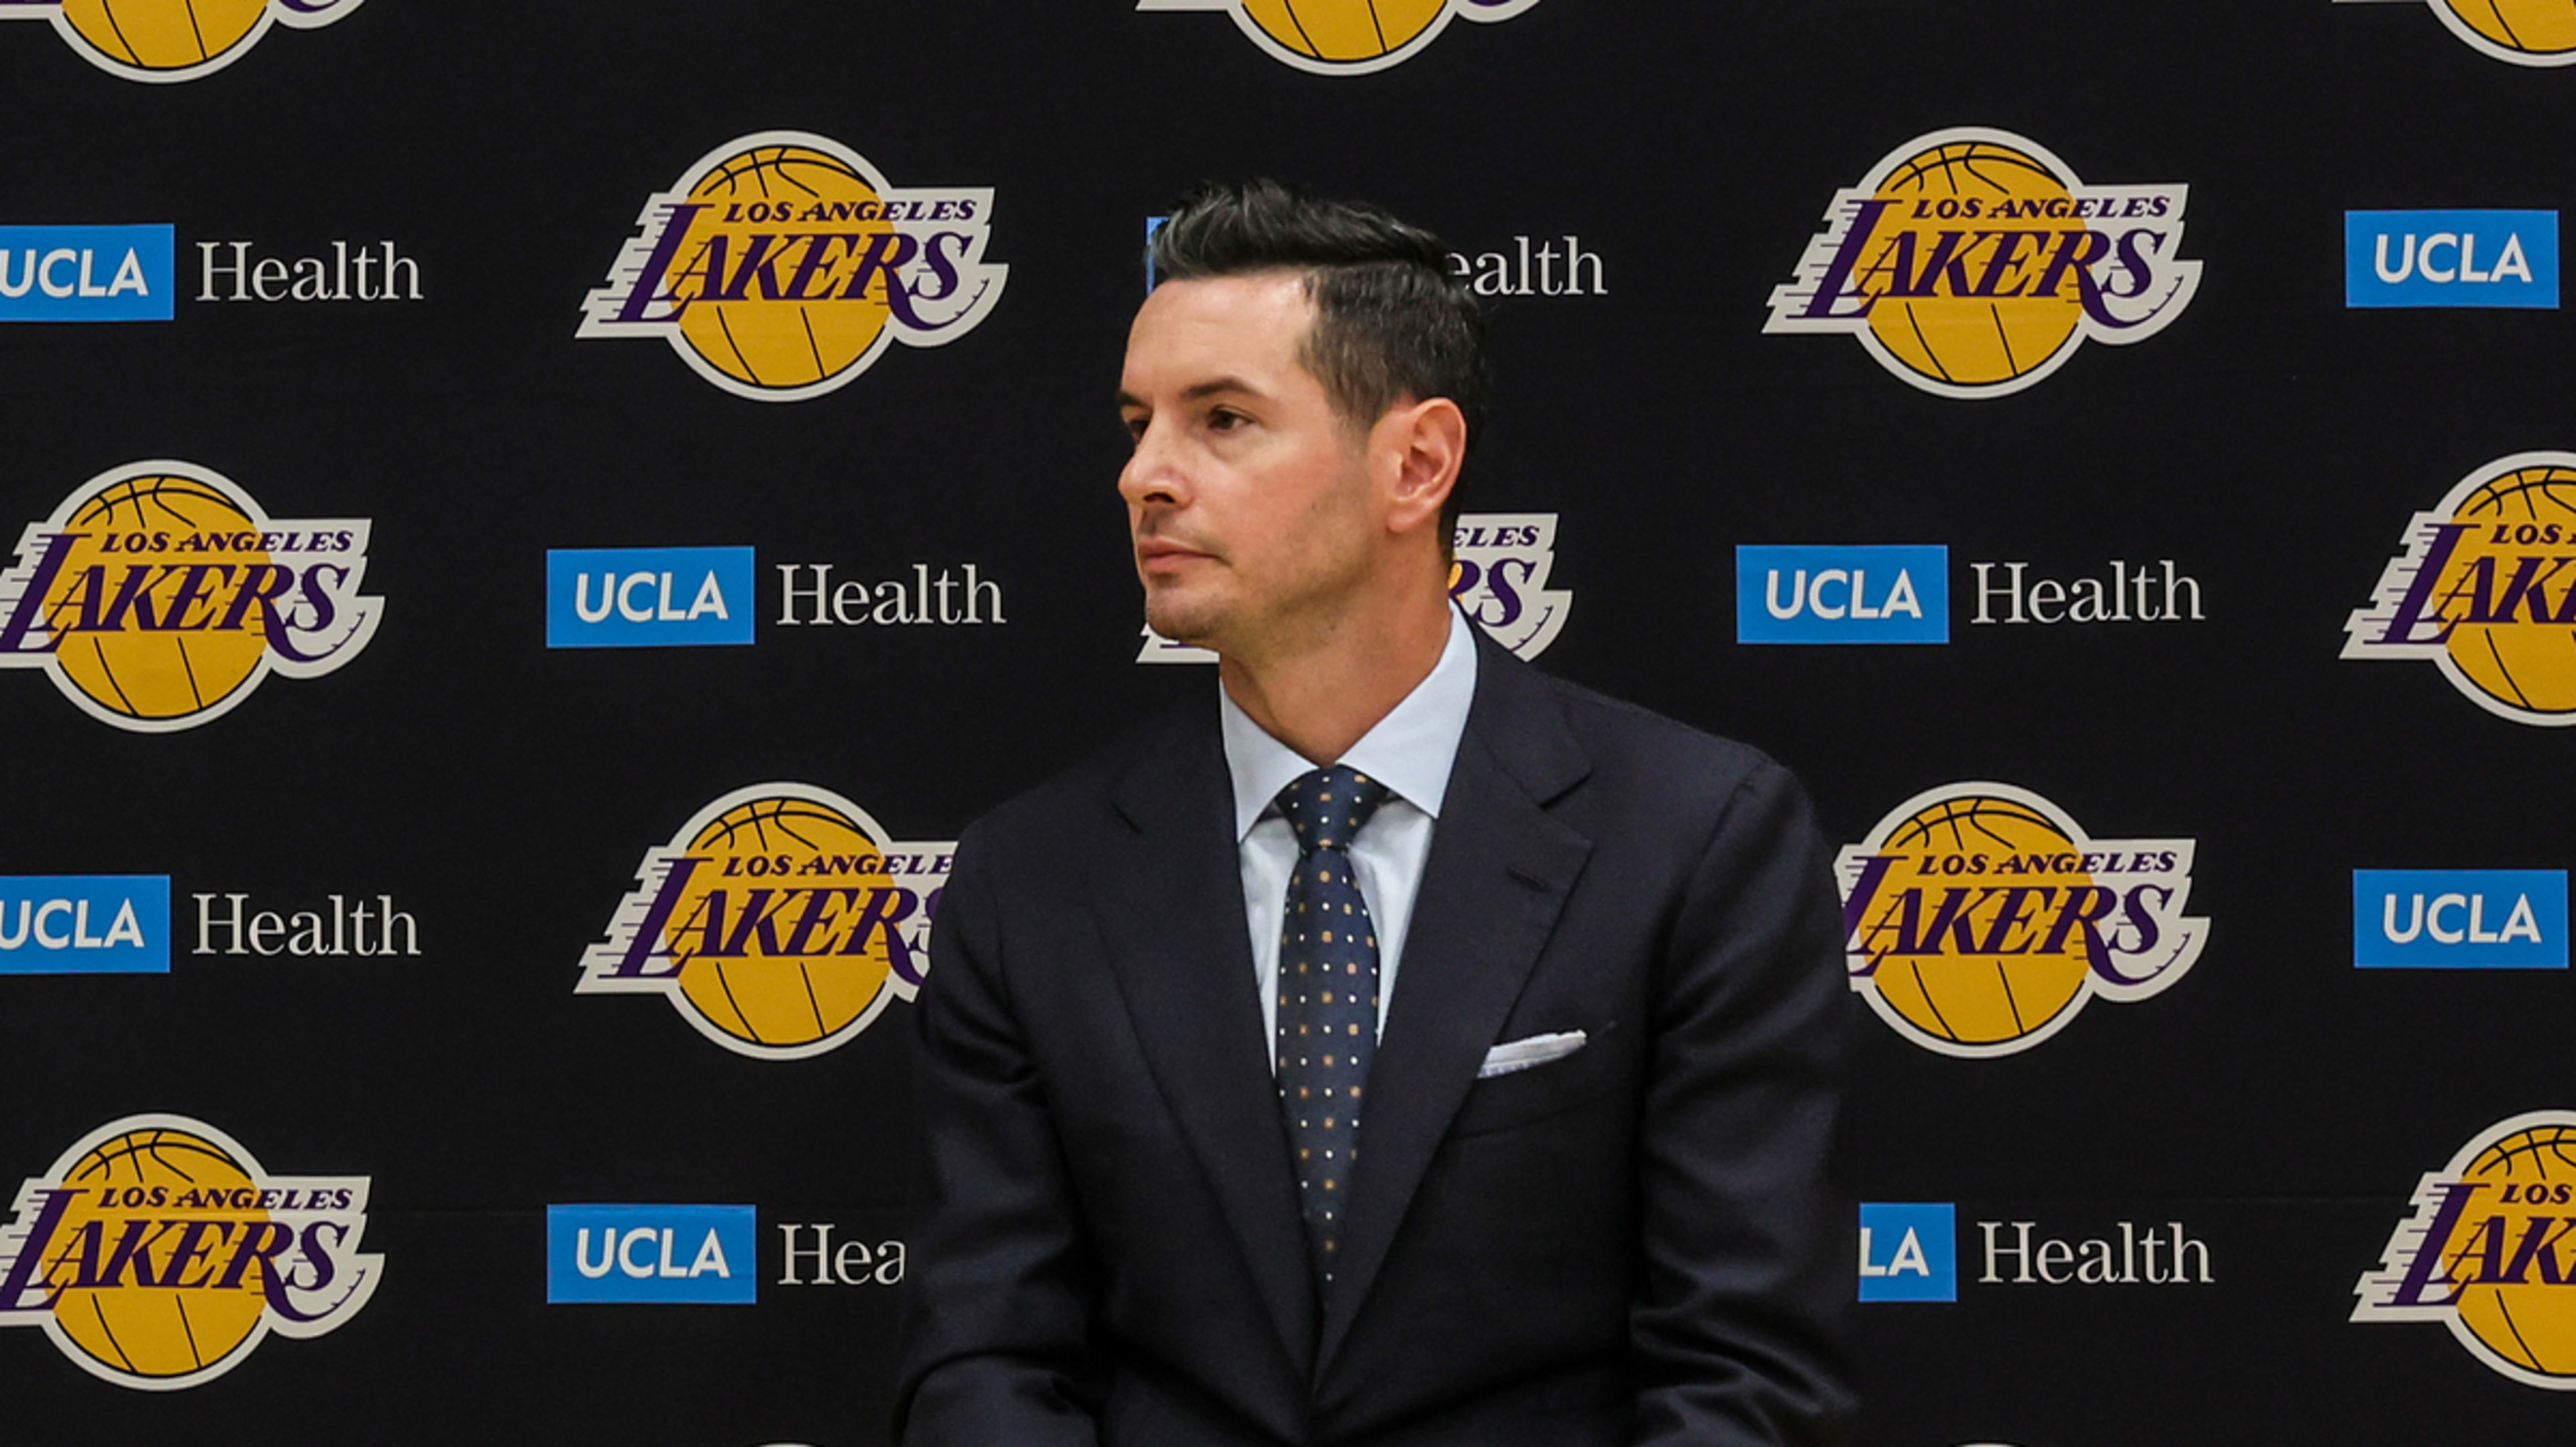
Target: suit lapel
{"points": [[1171, 895], [1500, 870]]}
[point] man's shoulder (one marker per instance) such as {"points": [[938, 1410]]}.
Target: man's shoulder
{"points": [[1630, 746], [1078, 798]]}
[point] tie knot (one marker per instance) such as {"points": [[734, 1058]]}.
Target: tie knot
{"points": [[1327, 806]]}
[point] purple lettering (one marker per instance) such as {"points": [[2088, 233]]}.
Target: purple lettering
{"points": [[2525, 585], [2007, 258], [191, 1247], [637, 308], [133, 1252], [2020, 901], [758, 264], [31, 1251], [1831, 288], [885, 908], [2076, 253], [2539, 1237], [192, 585], [2410, 611], [317, 593], [1864, 891], [637, 962], [22, 621], [1946, 264], [325, 1270], [260, 1244], [2085, 908], [760, 911], [2434, 1249]]}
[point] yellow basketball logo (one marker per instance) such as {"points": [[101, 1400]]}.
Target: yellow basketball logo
{"points": [[157, 1254], [2490, 1251], [2525, 32], [1346, 37], [1979, 918], [2486, 591], [1972, 263], [172, 40], [780, 921], [158, 596], [783, 265]]}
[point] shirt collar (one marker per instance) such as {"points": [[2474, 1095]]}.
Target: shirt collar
{"points": [[1410, 750]]}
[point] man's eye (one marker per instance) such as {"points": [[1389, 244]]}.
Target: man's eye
{"points": [[1226, 421]]}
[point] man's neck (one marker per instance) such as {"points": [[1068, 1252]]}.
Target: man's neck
{"points": [[1321, 699]]}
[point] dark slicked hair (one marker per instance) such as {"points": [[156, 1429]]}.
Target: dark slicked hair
{"points": [[1391, 322]]}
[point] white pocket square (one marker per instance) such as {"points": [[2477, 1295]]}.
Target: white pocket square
{"points": [[1522, 1054]]}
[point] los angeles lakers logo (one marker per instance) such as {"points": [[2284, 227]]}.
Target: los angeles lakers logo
{"points": [[1498, 570], [160, 594], [1972, 263], [1347, 37], [158, 1254], [2491, 1251], [172, 40], [780, 921], [1979, 918], [783, 265], [2486, 590]]}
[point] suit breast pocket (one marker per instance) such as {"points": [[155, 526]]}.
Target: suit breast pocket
{"points": [[1540, 1092]]}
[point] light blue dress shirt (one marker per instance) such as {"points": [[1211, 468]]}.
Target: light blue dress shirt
{"points": [[1410, 751]]}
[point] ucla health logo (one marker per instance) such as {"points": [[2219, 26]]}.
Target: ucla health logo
{"points": [[1346, 37], [101, 925], [2490, 1253], [1498, 575], [128, 274], [1979, 918], [158, 595], [157, 1254], [780, 921], [88, 273], [1842, 595], [2451, 259], [648, 597], [783, 265], [1972, 263], [622, 1255], [2486, 591], [2525, 32], [1909, 1252], [2459, 919], [172, 40]]}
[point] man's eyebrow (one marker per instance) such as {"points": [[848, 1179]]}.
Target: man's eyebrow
{"points": [[1212, 388]]}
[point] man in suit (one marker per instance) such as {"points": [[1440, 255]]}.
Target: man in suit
{"points": [[1402, 1047]]}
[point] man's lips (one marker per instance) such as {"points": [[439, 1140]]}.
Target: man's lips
{"points": [[1165, 553]]}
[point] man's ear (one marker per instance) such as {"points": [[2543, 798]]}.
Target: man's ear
{"points": [[1419, 447]]}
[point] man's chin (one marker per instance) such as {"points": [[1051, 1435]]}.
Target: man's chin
{"points": [[1196, 622]]}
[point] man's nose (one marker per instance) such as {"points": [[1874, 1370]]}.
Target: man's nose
{"points": [[1153, 475]]}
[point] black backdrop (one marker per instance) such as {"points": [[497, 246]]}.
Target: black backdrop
{"points": [[2277, 1103]]}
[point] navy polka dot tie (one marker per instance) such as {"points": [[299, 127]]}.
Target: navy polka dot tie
{"points": [[1327, 997]]}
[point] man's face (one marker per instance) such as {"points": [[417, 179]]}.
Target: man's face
{"points": [[1248, 496]]}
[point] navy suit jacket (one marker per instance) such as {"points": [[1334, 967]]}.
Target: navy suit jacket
{"points": [[1639, 1243]]}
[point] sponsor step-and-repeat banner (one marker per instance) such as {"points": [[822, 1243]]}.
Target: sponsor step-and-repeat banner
{"points": [[391, 677]]}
